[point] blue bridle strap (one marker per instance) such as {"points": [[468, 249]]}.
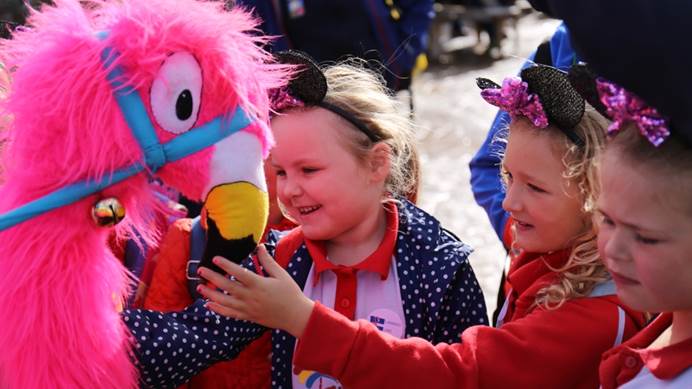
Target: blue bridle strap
{"points": [[155, 154], [135, 113]]}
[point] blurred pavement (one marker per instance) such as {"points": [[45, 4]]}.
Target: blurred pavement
{"points": [[454, 121]]}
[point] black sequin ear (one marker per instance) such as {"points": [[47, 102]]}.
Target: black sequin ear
{"points": [[561, 102], [484, 83], [584, 82], [309, 84]]}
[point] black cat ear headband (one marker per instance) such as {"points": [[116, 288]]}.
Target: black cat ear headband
{"points": [[546, 95], [542, 94], [308, 88], [619, 105]]}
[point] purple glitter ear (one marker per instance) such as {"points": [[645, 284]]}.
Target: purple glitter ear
{"points": [[515, 98], [281, 99], [623, 106]]}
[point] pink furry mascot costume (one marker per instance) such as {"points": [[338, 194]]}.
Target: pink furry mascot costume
{"points": [[105, 96]]}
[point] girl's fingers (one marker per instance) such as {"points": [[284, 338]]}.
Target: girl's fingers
{"points": [[268, 263], [215, 278], [235, 288], [215, 295], [240, 273], [225, 311], [232, 301]]}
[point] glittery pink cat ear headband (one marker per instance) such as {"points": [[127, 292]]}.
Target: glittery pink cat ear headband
{"points": [[543, 94]]}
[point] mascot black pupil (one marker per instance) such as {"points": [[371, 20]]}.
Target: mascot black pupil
{"points": [[183, 107]]}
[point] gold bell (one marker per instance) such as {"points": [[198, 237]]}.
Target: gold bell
{"points": [[107, 212]]}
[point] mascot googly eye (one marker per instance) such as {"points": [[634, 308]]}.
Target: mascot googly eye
{"points": [[176, 93]]}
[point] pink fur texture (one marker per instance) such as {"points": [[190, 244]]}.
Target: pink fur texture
{"points": [[59, 282]]}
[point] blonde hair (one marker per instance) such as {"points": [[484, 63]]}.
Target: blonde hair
{"points": [[584, 269], [363, 94]]}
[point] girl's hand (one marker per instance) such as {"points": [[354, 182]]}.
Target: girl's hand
{"points": [[275, 301]]}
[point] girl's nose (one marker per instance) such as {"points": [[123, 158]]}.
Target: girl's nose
{"points": [[291, 188], [614, 247], [512, 201]]}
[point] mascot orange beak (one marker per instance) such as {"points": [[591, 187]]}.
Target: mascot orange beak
{"points": [[237, 205]]}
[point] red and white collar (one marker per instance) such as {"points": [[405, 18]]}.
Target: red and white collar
{"points": [[377, 262]]}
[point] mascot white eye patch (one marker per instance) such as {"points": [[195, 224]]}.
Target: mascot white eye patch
{"points": [[176, 93]]}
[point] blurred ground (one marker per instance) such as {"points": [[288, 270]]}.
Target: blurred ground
{"points": [[454, 121]]}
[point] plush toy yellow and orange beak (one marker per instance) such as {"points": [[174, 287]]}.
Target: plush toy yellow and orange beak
{"points": [[237, 205], [235, 217]]}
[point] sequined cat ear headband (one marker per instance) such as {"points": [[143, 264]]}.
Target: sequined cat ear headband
{"points": [[625, 107], [619, 105], [542, 94], [308, 88]]}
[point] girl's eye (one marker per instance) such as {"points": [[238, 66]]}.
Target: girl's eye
{"points": [[605, 220], [535, 188], [280, 173], [308, 170], [646, 241]]}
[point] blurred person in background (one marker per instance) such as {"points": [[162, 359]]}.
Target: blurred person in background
{"points": [[391, 34]]}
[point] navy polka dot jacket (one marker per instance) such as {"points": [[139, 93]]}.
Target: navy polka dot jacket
{"points": [[439, 290]]}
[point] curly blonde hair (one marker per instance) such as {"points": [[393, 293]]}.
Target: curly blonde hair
{"points": [[584, 269]]}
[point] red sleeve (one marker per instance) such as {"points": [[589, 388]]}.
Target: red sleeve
{"points": [[168, 290], [543, 349]]}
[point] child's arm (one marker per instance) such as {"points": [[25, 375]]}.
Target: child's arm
{"points": [[275, 301], [546, 349], [173, 347], [543, 349]]}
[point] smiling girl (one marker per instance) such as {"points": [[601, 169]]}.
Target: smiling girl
{"points": [[345, 162]]}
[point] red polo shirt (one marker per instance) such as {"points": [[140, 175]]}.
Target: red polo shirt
{"points": [[621, 364], [346, 282], [534, 348]]}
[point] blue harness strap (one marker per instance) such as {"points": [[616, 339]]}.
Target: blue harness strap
{"points": [[155, 154], [198, 241]]}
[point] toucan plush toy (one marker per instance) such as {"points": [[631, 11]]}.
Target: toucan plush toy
{"points": [[103, 97]]}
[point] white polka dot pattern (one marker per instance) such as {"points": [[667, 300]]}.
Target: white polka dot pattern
{"points": [[439, 291]]}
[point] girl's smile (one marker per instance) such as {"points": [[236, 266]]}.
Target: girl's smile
{"points": [[320, 183], [308, 210]]}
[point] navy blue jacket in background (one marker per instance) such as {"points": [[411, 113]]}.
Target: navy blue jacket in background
{"points": [[329, 30], [643, 45]]}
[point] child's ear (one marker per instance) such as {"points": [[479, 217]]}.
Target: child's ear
{"points": [[380, 162]]}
